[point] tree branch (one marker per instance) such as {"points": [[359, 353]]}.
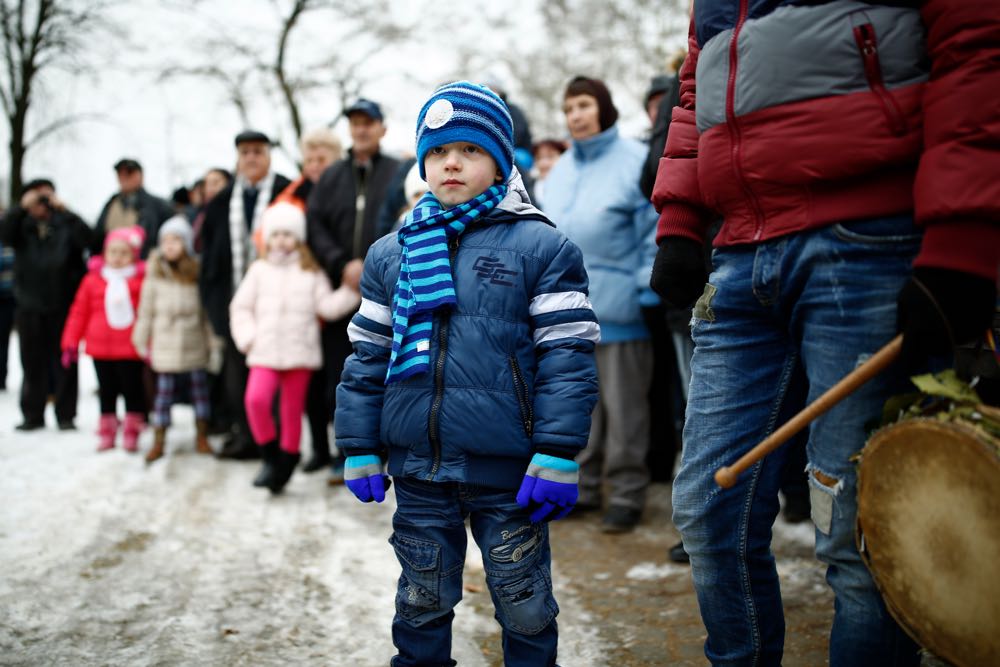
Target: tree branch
{"points": [[61, 124]]}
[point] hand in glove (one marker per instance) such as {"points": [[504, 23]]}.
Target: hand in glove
{"points": [[549, 488], [69, 357], [941, 308], [365, 478], [679, 273]]}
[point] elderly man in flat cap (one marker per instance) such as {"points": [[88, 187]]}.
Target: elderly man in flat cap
{"points": [[227, 251]]}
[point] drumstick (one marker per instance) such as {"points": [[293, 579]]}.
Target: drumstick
{"points": [[726, 475]]}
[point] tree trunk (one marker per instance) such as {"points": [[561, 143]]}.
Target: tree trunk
{"points": [[17, 151]]}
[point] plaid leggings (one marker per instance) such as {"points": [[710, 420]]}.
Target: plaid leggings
{"points": [[165, 396]]}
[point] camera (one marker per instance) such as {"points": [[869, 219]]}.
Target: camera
{"points": [[45, 201]]}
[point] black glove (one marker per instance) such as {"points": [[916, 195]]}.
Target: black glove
{"points": [[679, 273], [939, 309]]}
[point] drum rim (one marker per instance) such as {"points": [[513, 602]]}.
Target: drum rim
{"points": [[989, 444]]}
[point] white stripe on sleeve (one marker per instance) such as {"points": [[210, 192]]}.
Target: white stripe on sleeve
{"points": [[359, 334], [548, 303], [376, 312], [584, 330]]}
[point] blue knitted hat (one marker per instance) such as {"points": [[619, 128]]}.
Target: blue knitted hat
{"points": [[463, 111]]}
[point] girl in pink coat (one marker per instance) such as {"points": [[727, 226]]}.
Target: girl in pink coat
{"points": [[273, 319], [102, 315]]}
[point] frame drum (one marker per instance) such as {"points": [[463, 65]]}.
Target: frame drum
{"points": [[929, 531]]}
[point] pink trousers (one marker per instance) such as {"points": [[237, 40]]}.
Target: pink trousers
{"points": [[262, 384]]}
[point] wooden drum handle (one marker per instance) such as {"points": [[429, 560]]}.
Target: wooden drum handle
{"points": [[726, 475]]}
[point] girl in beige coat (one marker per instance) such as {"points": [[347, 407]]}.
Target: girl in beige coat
{"points": [[273, 320], [172, 331]]}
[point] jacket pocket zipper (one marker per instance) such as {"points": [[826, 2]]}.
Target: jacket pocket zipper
{"points": [[864, 36], [521, 390]]}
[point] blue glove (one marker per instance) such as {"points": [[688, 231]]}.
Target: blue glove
{"points": [[365, 478], [549, 488]]}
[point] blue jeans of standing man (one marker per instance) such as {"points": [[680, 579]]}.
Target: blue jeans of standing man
{"points": [[814, 305], [430, 539]]}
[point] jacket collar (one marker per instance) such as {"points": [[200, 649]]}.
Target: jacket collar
{"points": [[592, 147]]}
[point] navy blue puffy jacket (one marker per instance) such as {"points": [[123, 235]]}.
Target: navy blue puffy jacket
{"points": [[512, 366]]}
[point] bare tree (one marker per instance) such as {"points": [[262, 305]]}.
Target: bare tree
{"points": [[39, 37], [623, 42], [280, 75]]}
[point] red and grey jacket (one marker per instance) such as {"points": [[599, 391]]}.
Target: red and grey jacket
{"points": [[808, 114]]}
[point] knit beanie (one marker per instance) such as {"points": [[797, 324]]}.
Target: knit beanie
{"points": [[179, 227], [284, 217], [464, 111], [133, 236], [607, 114]]}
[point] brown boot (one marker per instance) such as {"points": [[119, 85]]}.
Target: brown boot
{"points": [[159, 440], [201, 443]]}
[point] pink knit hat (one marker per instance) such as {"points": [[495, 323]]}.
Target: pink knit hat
{"points": [[133, 236]]}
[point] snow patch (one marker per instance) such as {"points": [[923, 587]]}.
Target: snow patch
{"points": [[652, 571]]}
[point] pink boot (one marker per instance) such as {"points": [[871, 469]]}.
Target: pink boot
{"points": [[132, 427], [107, 428]]}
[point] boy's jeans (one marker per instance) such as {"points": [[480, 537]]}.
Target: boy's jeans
{"points": [[430, 539], [806, 308]]}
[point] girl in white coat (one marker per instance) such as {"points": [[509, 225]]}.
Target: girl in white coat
{"points": [[273, 319]]}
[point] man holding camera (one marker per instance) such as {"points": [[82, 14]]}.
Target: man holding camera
{"points": [[49, 243]]}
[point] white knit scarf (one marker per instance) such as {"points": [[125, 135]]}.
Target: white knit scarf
{"points": [[241, 242], [117, 301]]}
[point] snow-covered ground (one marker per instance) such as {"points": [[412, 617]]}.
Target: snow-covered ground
{"points": [[107, 561]]}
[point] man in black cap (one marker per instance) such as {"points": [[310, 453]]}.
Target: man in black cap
{"points": [[227, 251], [342, 216], [131, 205], [49, 243]]}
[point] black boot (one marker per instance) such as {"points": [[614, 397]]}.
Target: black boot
{"points": [[269, 454], [239, 449], [317, 462], [678, 554], [283, 469]]}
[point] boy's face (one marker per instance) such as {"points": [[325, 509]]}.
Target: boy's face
{"points": [[118, 254], [459, 171]]}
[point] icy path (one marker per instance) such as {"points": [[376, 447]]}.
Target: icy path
{"points": [[107, 561]]}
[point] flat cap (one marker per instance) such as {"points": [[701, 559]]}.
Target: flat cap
{"points": [[128, 164], [256, 136]]}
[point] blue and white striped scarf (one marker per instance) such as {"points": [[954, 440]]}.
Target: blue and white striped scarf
{"points": [[425, 283]]}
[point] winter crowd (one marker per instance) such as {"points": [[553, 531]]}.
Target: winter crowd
{"points": [[499, 329]]}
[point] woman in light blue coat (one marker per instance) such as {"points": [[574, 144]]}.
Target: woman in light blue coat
{"points": [[593, 196]]}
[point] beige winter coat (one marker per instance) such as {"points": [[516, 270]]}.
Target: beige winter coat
{"points": [[171, 327], [273, 314]]}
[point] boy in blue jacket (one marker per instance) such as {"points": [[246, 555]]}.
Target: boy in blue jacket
{"points": [[473, 378]]}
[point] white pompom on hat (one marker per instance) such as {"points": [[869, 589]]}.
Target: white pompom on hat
{"points": [[284, 217]]}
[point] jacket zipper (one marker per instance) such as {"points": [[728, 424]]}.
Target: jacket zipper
{"points": [[867, 43], [433, 419], [734, 125], [521, 391]]}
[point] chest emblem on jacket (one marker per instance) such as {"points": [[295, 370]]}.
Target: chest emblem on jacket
{"points": [[491, 268]]}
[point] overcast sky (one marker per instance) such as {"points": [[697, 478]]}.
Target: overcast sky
{"points": [[179, 128]]}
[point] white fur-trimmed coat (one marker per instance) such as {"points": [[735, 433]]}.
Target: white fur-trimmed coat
{"points": [[273, 315]]}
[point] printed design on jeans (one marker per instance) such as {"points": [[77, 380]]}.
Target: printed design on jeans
{"points": [[419, 585], [491, 268], [703, 307], [526, 602], [511, 551]]}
